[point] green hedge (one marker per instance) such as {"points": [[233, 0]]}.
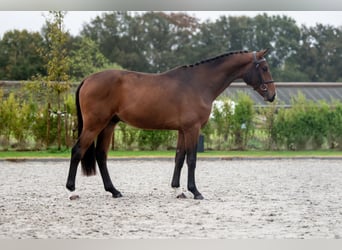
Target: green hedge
{"points": [[308, 125], [233, 125]]}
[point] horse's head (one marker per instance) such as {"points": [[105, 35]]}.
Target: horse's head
{"points": [[258, 75]]}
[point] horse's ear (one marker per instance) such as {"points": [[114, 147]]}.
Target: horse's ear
{"points": [[265, 51]]}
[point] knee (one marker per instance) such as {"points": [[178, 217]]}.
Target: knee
{"points": [[191, 161], [180, 155], [180, 159]]}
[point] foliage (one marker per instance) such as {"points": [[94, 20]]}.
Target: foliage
{"points": [[232, 125], [231, 122], [19, 57], [151, 42], [57, 59], [128, 135], [25, 120], [9, 117], [87, 59], [334, 118], [57, 78], [222, 113], [152, 140], [242, 120], [18, 119], [39, 128], [2, 121], [319, 53], [304, 126], [158, 41], [270, 115]]}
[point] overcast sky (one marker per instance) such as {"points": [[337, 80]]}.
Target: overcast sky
{"points": [[74, 20]]}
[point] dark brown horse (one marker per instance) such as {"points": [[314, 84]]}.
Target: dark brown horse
{"points": [[179, 99]]}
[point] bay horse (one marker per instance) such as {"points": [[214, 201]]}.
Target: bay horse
{"points": [[179, 99]]}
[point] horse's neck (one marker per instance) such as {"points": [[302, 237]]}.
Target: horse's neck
{"points": [[216, 79]]}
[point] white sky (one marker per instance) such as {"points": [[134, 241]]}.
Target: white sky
{"points": [[74, 20]]}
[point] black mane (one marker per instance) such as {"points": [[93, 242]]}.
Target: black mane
{"points": [[215, 58]]}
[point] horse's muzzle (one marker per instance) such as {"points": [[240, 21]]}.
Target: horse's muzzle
{"points": [[269, 98]]}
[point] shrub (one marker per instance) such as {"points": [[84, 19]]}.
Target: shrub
{"points": [[125, 136], [9, 117], [39, 128], [242, 121], [334, 133], [269, 114], [221, 121], [153, 139], [303, 126], [25, 119]]}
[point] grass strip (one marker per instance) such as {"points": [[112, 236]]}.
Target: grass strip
{"points": [[162, 154]]}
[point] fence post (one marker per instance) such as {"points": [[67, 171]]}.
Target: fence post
{"points": [[113, 140], [200, 144], [66, 126], [48, 126], [59, 128]]}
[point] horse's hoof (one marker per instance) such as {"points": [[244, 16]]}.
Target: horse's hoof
{"points": [[117, 195], [181, 196], [70, 187], [74, 197], [198, 197]]}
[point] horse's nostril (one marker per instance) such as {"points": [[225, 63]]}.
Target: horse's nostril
{"points": [[272, 98]]}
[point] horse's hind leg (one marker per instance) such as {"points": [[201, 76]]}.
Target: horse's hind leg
{"points": [[75, 159], [102, 146], [77, 152]]}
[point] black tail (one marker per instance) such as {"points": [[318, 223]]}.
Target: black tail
{"points": [[88, 161]]}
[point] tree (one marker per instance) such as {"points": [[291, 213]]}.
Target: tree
{"points": [[19, 57], [320, 53], [212, 38], [169, 39], [56, 54], [86, 59], [118, 38], [240, 33], [150, 42], [57, 61], [279, 33]]}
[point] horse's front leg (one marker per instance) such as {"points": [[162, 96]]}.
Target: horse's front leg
{"points": [[191, 161], [191, 138]]}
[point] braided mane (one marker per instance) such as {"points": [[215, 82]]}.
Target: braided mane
{"points": [[216, 58]]}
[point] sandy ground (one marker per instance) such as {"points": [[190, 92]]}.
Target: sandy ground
{"points": [[265, 199]]}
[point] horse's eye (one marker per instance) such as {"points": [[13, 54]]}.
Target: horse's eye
{"points": [[265, 69]]}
